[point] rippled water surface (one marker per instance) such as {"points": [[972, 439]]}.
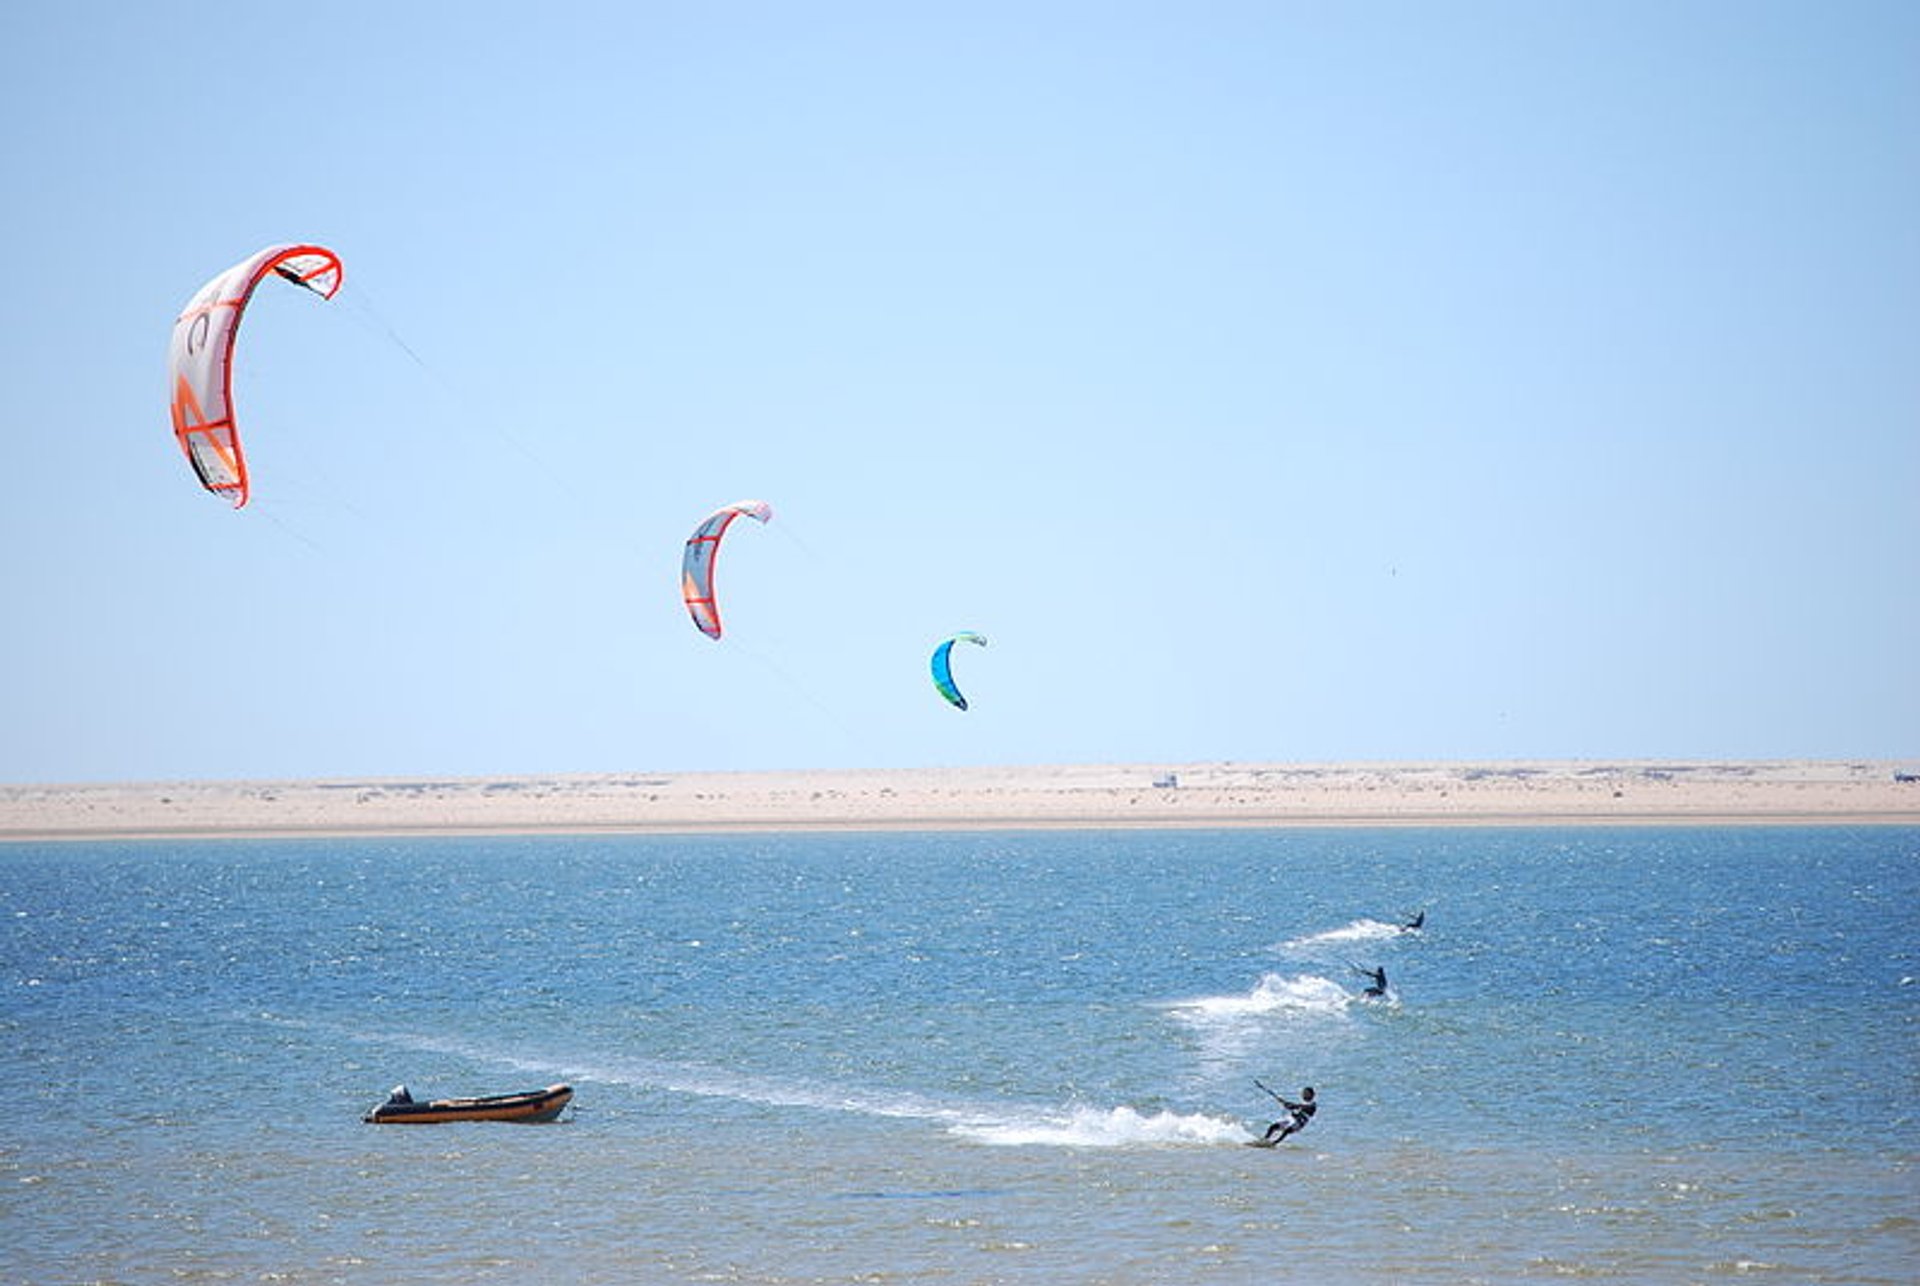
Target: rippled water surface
{"points": [[1639, 1055]]}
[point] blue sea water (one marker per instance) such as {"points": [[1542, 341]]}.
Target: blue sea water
{"points": [[1629, 1055]]}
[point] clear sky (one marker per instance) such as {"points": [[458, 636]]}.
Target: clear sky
{"points": [[1266, 381]]}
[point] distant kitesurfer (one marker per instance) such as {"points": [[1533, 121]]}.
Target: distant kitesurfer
{"points": [[1377, 988], [1417, 923], [1298, 1114]]}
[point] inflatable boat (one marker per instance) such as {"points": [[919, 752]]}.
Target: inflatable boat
{"points": [[535, 1105]]}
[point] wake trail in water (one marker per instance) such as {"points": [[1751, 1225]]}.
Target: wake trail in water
{"points": [[1120, 1127], [1361, 930], [998, 1124], [1273, 994]]}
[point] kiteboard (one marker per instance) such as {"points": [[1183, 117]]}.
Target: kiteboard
{"points": [[1263, 1143]]}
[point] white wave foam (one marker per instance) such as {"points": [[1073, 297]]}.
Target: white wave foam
{"points": [[1272, 994], [1120, 1127]]}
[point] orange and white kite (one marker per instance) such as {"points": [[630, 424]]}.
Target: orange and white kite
{"points": [[696, 567], [200, 359]]}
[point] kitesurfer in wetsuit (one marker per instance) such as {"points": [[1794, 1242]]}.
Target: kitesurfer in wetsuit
{"points": [[1416, 923], [1377, 989], [1298, 1114]]}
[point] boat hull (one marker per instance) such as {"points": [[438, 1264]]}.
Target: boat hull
{"points": [[535, 1105]]}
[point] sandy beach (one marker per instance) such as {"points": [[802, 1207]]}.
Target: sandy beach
{"points": [[1166, 795]]}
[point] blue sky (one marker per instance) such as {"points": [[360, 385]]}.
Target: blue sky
{"points": [[1266, 381]]}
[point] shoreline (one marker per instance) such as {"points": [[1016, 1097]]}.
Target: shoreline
{"points": [[1088, 797]]}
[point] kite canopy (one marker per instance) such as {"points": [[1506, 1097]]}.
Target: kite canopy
{"points": [[696, 568], [200, 359], [943, 665]]}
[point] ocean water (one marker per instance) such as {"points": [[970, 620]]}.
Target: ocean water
{"points": [[1683, 1055]]}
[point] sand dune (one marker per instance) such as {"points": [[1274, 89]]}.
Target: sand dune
{"points": [[1191, 795]]}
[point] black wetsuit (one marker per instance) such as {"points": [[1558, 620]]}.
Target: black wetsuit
{"points": [[1302, 1113]]}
